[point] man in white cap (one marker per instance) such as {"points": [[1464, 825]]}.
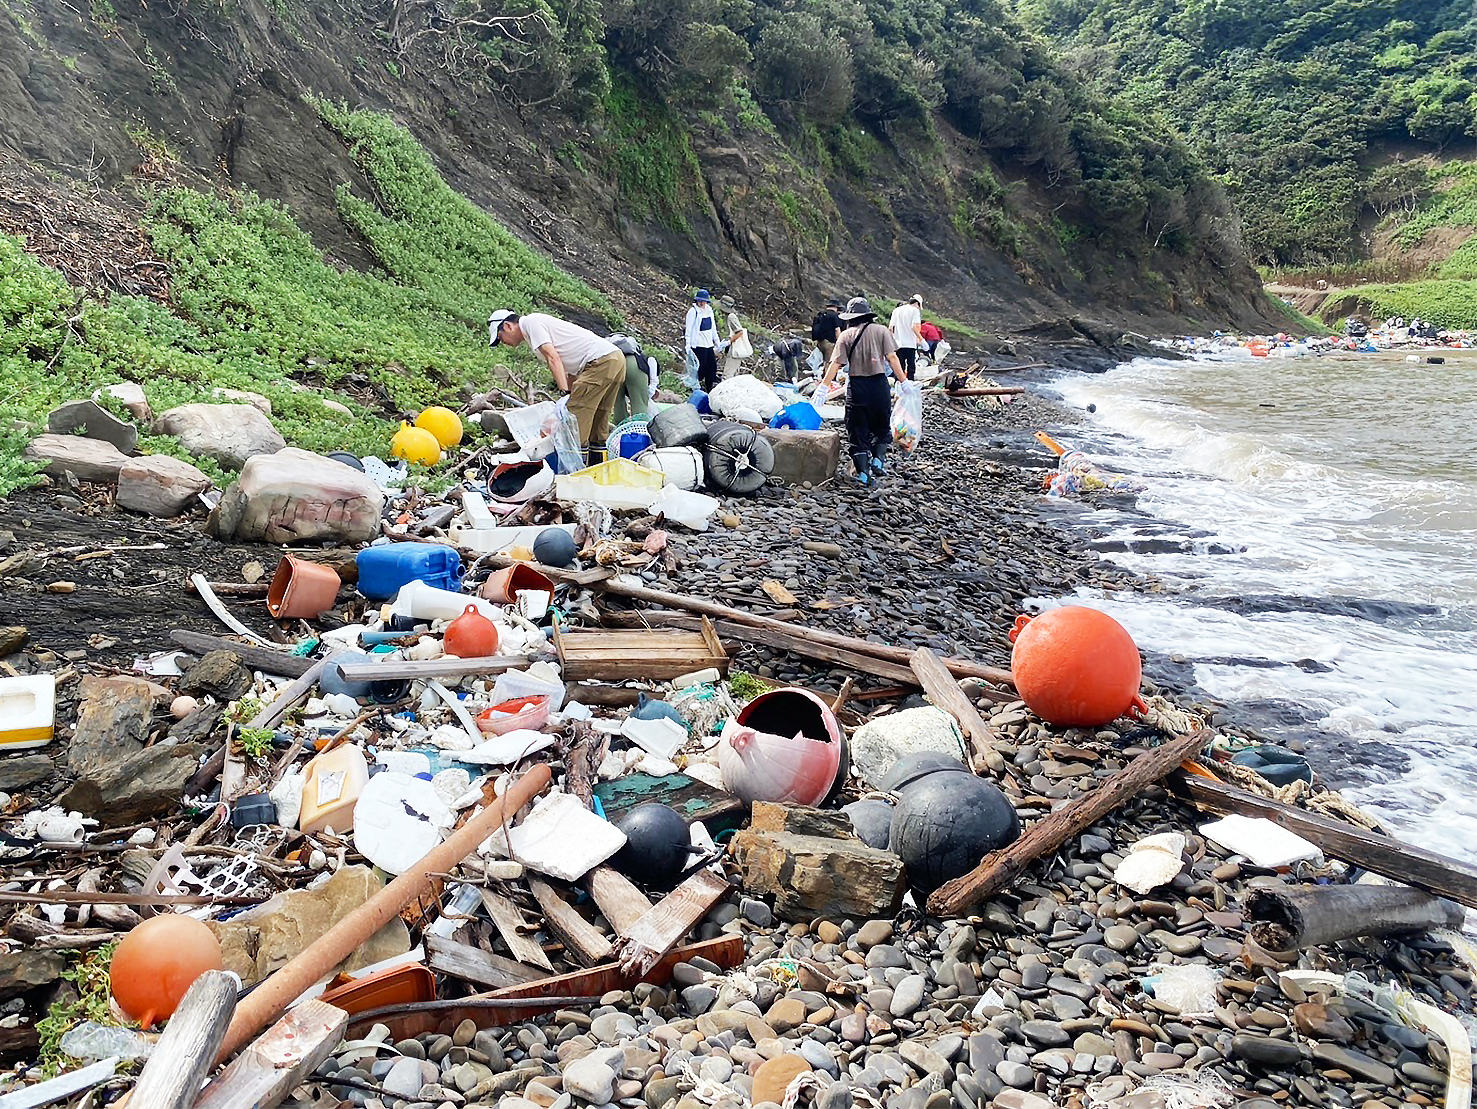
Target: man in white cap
{"points": [[702, 338], [590, 369], [907, 331], [868, 350]]}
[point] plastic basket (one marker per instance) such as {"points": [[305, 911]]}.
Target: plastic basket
{"points": [[631, 425]]}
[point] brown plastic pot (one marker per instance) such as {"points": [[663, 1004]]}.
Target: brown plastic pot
{"points": [[301, 588], [503, 586]]}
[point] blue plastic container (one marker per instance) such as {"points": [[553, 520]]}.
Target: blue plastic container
{"points": [[800, 416], [383, 570], [699, 400], [633, 443]]}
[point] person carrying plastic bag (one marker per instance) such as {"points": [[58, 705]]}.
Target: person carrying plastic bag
{"points": [[868, 349]]}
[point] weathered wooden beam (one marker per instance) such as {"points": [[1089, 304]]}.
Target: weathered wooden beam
{"points": [[620, 901], [472, 964], [395, 668], [641, 946], [277, 1062], [999, 868], [185, 1054], [943, 690], [584, 941], [258, 658], [508, 919], [1414, 866]]}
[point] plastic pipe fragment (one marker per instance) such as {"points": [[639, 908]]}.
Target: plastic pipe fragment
{"points": [[276, 992]]}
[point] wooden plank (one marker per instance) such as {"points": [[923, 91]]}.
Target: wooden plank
{"points": [[641, 946], [273, 1065], [510, 924], [185, 1054], [726, 952], [621, 902], [258, 658], [63, 1085], [472, 964], [394, 668], [796, 635], [999, 868], [943, 690], [693, 800], [1414, 866], [586, 943]]}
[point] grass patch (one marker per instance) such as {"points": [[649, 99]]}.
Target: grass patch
{"points": [[655, 167], [1448, 304], [254, 306], [1452, 204], [950, 327], [89, 979], [1295, 320]]}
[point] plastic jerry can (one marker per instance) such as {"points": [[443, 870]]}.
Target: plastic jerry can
{"points": [[383, 570], [332, 784], [27, 711]]}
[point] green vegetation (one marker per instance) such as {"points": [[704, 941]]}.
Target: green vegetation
{"points": [[1297, 323], [648, 149], [254, 306], [1285, 99], [88, 999], [255, 743], [743, 686], [1445, 303]]}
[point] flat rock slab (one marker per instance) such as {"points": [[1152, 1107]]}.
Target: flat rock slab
{"points": [[159, 485], [90, 459], [25, 970], [20, 771], [94, 421], [819, 876], [228, 433]]}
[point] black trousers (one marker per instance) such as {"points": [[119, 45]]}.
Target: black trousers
{"points": [[908, 356], [707, 368], [868, 418]]}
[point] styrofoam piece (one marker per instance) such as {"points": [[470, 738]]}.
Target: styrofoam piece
{"points": [[1152, 862], [475, 506], [541, 679], [27, 711], [398, 819], [506, 749], [660, 736], [405, 762], [1263, 843], [560, 838], [495, 540], [691, 510]]}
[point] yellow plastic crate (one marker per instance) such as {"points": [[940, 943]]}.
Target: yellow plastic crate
{"points": [[620, 472]]}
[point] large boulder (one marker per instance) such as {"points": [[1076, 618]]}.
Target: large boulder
{"points": [[802, 457], [159, 485], [228, 433], [88, 459], [295, 496]]}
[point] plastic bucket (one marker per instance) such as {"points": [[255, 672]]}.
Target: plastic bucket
{"points": [[301, 589], [504, 585], [678, 426], [384, 569]]}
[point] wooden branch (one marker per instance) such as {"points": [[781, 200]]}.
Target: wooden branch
{"points": [[273, 1066], [945, 693], [641, 947], [584, 941], [185, 1054], [472, 964], [798, 638], [258, 658], [448, 667], [999, 868], [1414, 866]]}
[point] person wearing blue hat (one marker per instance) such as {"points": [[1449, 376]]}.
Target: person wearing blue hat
{"points": [[702, 339]]}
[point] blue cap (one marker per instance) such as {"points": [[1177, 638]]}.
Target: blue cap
{"points": [[702, 294]]}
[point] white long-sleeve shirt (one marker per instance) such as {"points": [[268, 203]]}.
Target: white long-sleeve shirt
{"points": [[702, 330]]}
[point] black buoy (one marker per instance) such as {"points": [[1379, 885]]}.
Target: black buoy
{"points": [[920, 764], [554, 547], [657, 846], [946, 823], [871, 819]]}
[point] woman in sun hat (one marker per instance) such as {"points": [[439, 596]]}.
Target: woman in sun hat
{"points": [[869, 351]]}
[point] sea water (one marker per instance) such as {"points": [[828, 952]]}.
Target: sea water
{"points": [[1313, 522]]}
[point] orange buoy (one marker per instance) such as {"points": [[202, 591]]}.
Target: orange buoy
{"points": [[157, 962], [1075, 666], [470, 635]]}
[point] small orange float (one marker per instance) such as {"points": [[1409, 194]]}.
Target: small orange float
{"points": [[157, 962], [470, 635], [1075, 666]]}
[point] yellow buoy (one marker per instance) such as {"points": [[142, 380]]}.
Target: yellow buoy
{"points": [[415, 444], [443, 423]]}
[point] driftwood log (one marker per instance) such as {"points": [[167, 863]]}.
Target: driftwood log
{"points": [[1290, 918], [999, 868]]}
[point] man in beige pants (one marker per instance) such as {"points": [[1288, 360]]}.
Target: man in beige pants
{"points": [[587, 367]]}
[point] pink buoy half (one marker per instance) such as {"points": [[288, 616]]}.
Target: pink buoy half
{"points": [[785, 746]]}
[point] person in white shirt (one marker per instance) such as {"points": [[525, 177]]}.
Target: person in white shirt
{"points": [[587, 367], [906, 325], [702, 339]]}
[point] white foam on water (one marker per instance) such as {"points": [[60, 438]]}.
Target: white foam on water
{"points": [[1356, 484]]}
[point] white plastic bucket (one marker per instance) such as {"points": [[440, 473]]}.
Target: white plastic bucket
{"points": [[682, 466]]}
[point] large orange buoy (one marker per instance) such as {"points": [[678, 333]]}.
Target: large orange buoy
{"points": [[470, 635], [1075, 666], [157, 962]]}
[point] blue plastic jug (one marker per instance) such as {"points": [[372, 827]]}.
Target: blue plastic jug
{"points": [[383, 570]]}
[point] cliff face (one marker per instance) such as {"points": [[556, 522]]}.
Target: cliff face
{"points": [[97, 104]]}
